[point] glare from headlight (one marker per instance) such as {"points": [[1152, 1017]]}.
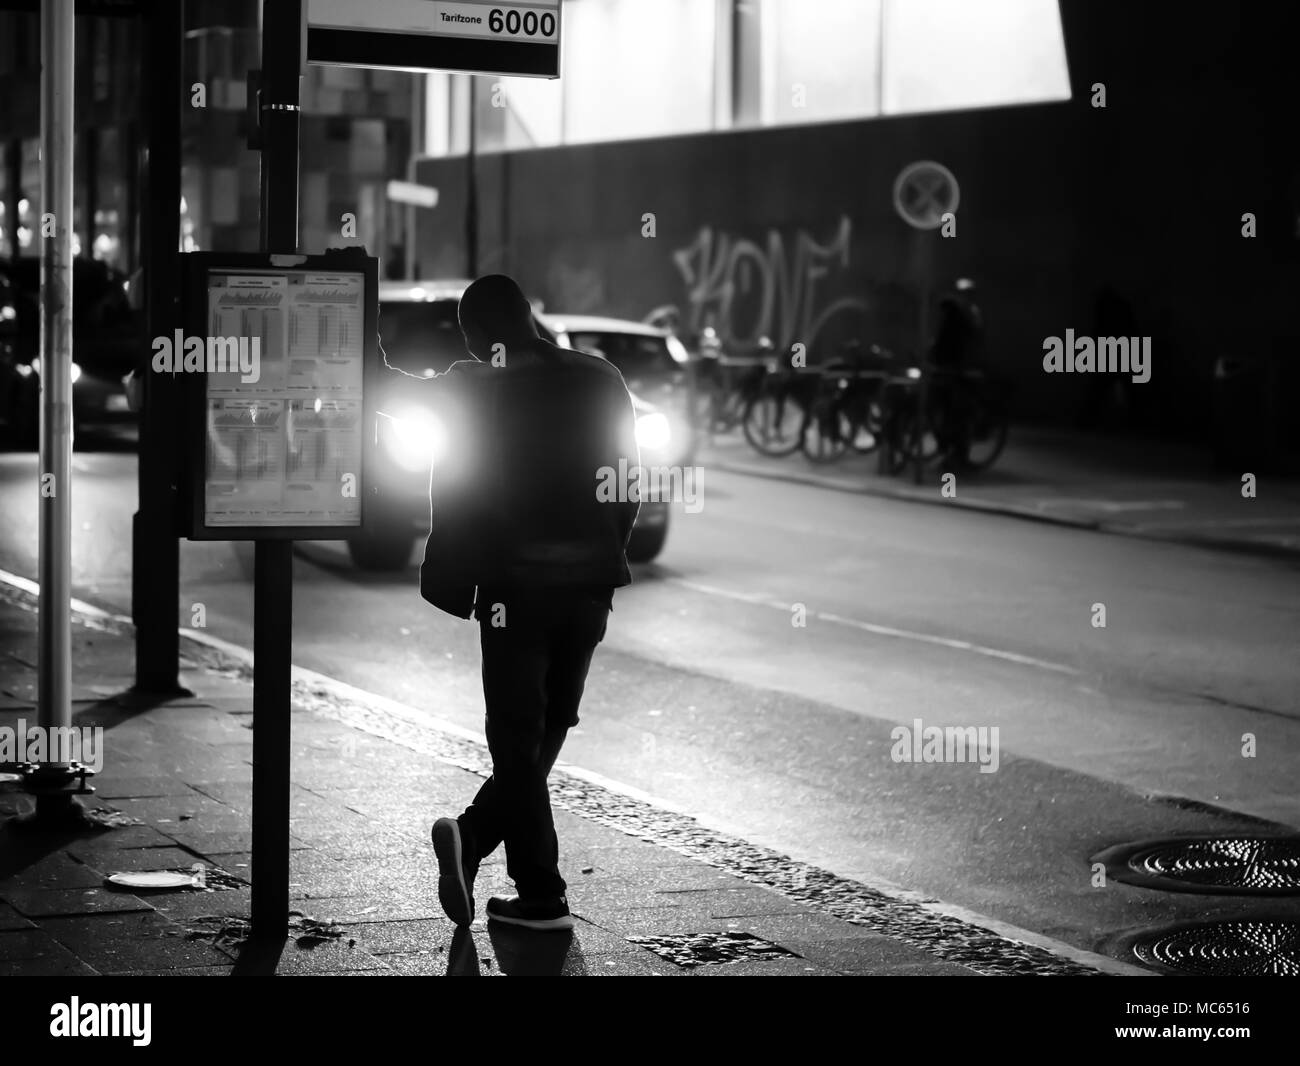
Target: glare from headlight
{"points": [[415, 440], [36, 369], [653, 431]]}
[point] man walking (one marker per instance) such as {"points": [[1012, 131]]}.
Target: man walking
{"points": [[515, 515]]}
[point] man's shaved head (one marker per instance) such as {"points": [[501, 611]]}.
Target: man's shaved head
{"points": [[495, 306]]}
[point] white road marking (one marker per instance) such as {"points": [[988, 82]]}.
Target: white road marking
{"points": [[880, 630]]}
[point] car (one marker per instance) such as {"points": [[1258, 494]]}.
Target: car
{"points": [[420, 335], [107, 340], [653, 361]]}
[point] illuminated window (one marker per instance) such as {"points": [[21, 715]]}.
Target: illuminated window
{"points": [[823, 60], [637, 68], [819, 59], [948, 54]]}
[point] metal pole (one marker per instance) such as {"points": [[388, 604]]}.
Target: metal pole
{"points": [[55, 482], [284, 53], [155, 556], [471, 192], [418, 148], [924, 288]]}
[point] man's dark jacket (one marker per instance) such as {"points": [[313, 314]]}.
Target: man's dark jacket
{"points": [[514, 500]]}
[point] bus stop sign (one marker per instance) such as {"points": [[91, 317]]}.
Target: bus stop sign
{"points": [[510, 37]]}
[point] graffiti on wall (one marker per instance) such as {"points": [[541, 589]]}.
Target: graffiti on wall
{"points": [[746, 292]]}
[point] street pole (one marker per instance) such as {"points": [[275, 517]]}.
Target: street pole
{"points": [[417, 150], [54, 652], [471, 192], [284, 55], [155, 543]]}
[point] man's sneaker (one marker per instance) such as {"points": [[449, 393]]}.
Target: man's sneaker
{"points": [[541, 914], [455, 873]]}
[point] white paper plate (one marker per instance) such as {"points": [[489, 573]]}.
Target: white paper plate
{"points": [[153, 879]]}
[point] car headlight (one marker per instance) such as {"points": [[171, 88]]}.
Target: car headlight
{"points": [[414, 440], [36, 369], [653, 431]]}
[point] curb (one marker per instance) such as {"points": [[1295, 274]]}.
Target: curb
{"points": [[1009, 510]]}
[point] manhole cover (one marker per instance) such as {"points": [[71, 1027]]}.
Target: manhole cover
{"points": [[705, 949], [1251, 947], [1238, 865]]}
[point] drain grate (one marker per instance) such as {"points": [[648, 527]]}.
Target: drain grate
{"points": [[710, 949], [1248, 947], [1237, 865]]}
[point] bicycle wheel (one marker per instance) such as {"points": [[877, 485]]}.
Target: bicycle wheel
{"points": [[918, 443], [986, 432], [725, 411], [897, 407], [827, 433], [773, 424], [867, 426]]}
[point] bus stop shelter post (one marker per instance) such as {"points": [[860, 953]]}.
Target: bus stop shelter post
{"points": [[284, 54], [155, 566]]}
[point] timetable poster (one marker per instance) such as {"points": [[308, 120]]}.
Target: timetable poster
{"points": [[284, 358]]}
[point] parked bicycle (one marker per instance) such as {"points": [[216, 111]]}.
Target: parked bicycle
{"points": [[725, 385], [847, 411], [776, 416], [930, 416]]}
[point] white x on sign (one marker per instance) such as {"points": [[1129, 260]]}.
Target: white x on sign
{"points": [[924, 192]]}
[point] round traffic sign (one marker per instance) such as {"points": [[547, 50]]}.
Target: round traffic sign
{"points": [[924, 192]]}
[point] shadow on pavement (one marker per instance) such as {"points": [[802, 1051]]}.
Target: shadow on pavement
{"points": [[258, 957], [121, 707], [521, 953], [462, 956], [24, 842]]}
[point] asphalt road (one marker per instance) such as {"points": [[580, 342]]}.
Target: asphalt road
{"points": [[709, 694]]}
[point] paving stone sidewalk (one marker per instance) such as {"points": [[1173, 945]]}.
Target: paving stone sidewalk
{"points": [[177, 776]]}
